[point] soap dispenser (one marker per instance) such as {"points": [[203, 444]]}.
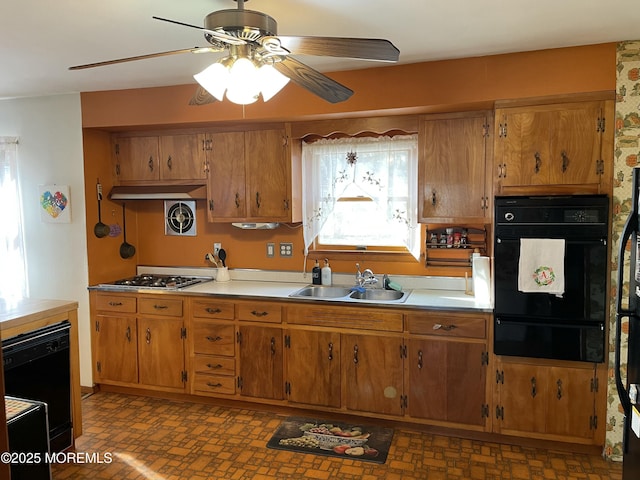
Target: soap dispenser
{"points": [[326, 273], [315, 274]]}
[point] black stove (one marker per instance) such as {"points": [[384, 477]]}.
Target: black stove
{"points": [[156, 281]]}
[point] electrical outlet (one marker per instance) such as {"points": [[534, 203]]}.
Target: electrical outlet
{"points": [[216, 248], [286, 249], [271, 249]]}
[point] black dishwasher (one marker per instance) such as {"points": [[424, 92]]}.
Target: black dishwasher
{"points": [[36, 367]]}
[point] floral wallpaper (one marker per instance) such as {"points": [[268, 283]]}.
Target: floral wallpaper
{"points": [[626, 156]]}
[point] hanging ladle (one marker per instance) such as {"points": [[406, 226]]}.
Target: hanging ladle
{"points": [[126, 249], [101, 229]]}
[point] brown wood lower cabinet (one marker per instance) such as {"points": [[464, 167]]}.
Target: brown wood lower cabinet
{"points": [[431, 367], [447, 360], [548, 401], [373, 373], [313, 367], [139, 340], [261, 362]]}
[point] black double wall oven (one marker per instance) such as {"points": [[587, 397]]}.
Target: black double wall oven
{"points": [[570, 326]]}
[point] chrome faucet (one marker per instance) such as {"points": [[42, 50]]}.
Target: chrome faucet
{"points": [[365, 278]]}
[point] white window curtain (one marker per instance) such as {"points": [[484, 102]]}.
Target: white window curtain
{"points": [[12, 257], [381, 168]]}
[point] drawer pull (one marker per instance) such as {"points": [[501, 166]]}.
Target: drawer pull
{"points": [[115, 304], [214, 367], [160, 307], [217, 338], [446, 328], [255, 313], [214, 385], [212, 311]]}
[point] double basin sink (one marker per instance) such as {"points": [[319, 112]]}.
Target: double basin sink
{"points": [[377, 295]]}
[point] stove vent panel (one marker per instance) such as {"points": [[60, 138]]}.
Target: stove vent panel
{"points": [[180, 218]]}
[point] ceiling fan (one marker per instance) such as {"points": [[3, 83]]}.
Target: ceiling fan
{"points": [[253, 35]]}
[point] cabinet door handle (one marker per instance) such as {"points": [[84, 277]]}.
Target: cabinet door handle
{"points": [[148, 336], [255, 313], [213, 311], [217, 338], [330, 351], [536, 169], [211, 205], [433, 198], [504, 170], [355, 354], [559, 393], [286, 204], [150, 164], [273, 346], [169, 163], [128, 334], [258, 199], [420, 360], [446, 328], [237, 200], [534, 389], [565, 161]]}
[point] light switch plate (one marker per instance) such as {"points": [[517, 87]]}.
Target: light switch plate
{"points": [[271, 249]]}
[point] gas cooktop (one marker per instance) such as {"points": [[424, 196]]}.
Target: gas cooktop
{"points": [[155, 282]]}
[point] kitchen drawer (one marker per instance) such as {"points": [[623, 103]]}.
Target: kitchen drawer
{"points": [[212, 309], [214, 365], [447, 324], [345, 317], [116, 303], [213, 338], [259, 312], [203, 383], [171, 307]]}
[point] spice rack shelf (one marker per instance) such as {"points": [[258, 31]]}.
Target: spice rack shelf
{"points": [[454, 254]]}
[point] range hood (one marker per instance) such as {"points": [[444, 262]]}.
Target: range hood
{"points": [[256, 226], [158, 192]]}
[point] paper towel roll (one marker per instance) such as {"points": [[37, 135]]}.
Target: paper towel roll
{"points": [[481, 279]]}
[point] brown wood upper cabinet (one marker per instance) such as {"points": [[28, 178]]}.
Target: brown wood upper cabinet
{"points": [[142, 159], [250, 176], [565, 145], [453, 184]]}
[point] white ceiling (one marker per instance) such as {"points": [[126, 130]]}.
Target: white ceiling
{"points": [[40, 39]]}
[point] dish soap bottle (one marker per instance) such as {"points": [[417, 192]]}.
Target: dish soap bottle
{"points": [[315, 274], [326, 273]]}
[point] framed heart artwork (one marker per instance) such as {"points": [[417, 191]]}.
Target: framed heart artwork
{"points": [[55, 203]]}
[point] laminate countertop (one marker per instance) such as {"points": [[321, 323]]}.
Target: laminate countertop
{"points": [[26, 311]]}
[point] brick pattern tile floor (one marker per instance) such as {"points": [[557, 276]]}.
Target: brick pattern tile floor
{"points": [[157, 439]]}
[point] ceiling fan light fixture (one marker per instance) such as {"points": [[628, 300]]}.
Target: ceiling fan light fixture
{"points": [[214, 79], [271, 81], [243, 82]]}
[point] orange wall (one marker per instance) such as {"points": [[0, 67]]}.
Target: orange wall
{"points": [[426, 87]]}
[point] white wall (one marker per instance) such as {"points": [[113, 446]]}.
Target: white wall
{"points": [[50, 152]]}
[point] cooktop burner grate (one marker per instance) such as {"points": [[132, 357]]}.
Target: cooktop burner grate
{"points": [[160, 282]]}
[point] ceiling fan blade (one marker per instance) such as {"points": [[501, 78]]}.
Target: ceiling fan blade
{"points": [[201, 97], [223, 37], [149, 55], [312, 80], [363, 48]]}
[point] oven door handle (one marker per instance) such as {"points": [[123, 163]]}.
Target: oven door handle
{"points": [[569, 241]]}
